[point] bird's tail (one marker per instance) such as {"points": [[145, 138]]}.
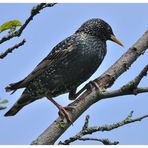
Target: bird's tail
{"points": [[23, 101], [13, 87], [15, 108]]}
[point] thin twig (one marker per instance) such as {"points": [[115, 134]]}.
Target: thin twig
{"points": [[93, 129], [135, 82], [34, 12], [127, 120], [9, 50], [103, 141], [86, 122]]}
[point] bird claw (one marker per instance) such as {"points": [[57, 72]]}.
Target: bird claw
{"points": [[73, 95], [90, 85], [64, 113]]}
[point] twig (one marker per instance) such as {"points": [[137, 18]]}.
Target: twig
{"points": [[86, 122], [134, 83], [34, 12], [9, 50], [103, 141], [93, 129]]}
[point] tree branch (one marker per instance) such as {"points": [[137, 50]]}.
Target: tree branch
{"points": [[81, 104], [119, 92], [9, 50], [34, 12], [128, 89], [86, 122], [93, 129], [134, 83], [103, 141]]}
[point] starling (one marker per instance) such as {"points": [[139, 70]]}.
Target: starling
{"points": [[69, 64]]}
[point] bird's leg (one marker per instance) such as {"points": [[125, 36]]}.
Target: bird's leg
{"points": [[73, 95], [63, 111], [93, 83]]}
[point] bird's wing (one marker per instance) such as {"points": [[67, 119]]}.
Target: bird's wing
{"points": [[59, 52]]}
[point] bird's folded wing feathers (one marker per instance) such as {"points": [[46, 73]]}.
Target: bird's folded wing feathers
{"points": [[59, 52]]}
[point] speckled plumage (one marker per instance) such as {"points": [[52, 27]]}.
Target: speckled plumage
{"points": [[83, 56], [70, 63]]}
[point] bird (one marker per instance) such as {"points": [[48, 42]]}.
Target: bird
{"points": [[70, 63]]}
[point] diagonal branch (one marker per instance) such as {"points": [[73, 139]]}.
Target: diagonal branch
{"points": [[93, 129], [9, 50], [34, 12], [55, 130]]}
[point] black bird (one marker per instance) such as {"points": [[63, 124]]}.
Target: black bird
{"points": [[69, 64]]}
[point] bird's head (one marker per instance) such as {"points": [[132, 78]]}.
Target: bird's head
{"points": [[99, 28]]}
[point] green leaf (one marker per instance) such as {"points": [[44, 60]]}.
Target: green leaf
{"points": [[1, 107], [4, 101], [10, 25]]}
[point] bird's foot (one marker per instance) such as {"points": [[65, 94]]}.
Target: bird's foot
{"points": [[64, 113], [73, 95], [92, 84]]}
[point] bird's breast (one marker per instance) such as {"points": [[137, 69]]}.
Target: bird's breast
{"points": [[91, 49], [88, 54]]}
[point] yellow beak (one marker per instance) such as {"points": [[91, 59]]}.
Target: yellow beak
{"points": [[114, 39]]}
